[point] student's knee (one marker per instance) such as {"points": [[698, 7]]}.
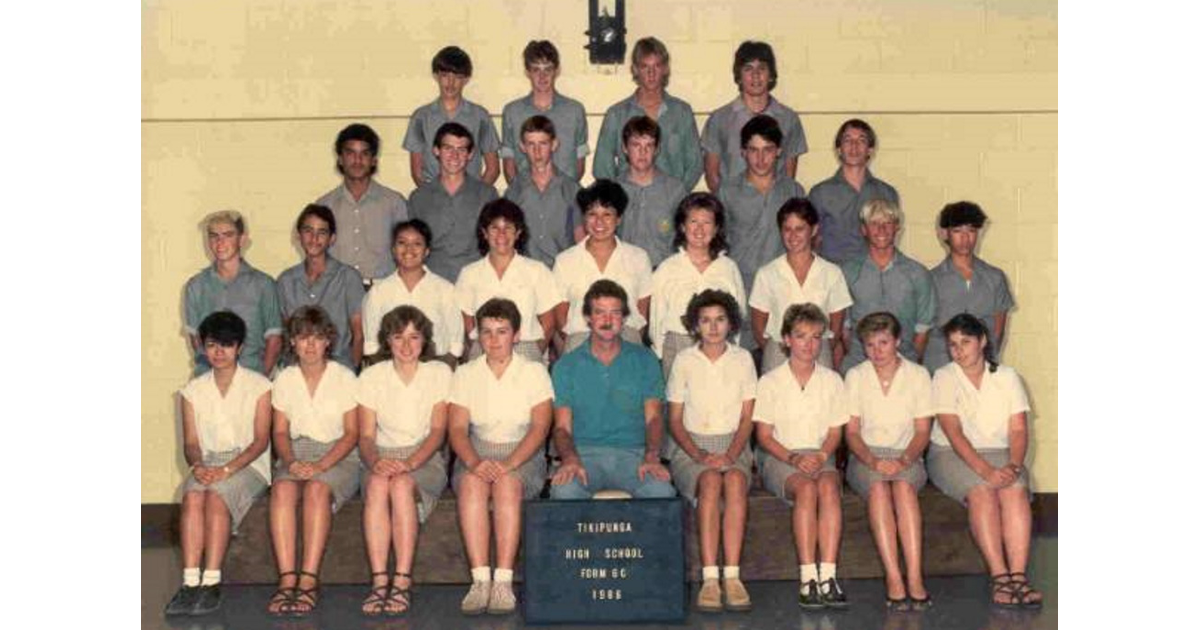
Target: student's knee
{"points": [[709, 483], [317, 491], [214, 505], [735, 482], [401, 485], [376, 488]]}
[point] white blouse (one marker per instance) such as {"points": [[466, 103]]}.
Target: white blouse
{"points": [[434, 295], [712, 392], [984, 412], [675, 282], [801, 417], [403, 411], [225, 423], [776, 288], [527, 282], [575, 270], [500, 407], [889, 421], [320, 416]]}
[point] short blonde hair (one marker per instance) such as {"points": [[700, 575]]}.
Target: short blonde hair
{"points": [[881, 208], [230, 217]]}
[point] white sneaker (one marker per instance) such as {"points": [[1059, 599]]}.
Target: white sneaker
{"points": [[503, 600], [476, 601]]}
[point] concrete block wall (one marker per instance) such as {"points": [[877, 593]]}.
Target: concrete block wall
{"points": [[241, 101]]}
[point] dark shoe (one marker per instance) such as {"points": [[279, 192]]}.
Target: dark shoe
{"points": [[810, 596], [208, 600], [374, 604], [918, 605], [399, 597], [304, 600], [1004, 592], [832, 595], [282, 598], [903, 604], [1024, 593], [183, 601]]}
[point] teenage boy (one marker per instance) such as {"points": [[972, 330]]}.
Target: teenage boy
{"points": [[753, 198], [841, 198], [364, 208], [653, 195], [679, 156], [450, 203], [231, 284], [964, 283], [545, 194], [755, 75], [322, 280], [452, 71], [567, 114]]}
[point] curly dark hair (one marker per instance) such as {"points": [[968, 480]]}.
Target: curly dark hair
{"points": [[705, 299]]}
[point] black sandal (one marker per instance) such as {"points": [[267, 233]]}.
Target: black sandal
{"points": [[400, 595], [1024, 591], [1002, 584], [377, 598], [902, 604], [284, 595], [305, 600], [917, 605]]}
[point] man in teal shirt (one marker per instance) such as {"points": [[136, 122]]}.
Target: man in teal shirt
{"points": [[608, 424]]}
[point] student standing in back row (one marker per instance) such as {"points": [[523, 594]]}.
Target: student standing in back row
{"points": [[679, 150], [755, 75], [452, 71], [653, 195], [545, 194], [841, 197], [567, 114]]}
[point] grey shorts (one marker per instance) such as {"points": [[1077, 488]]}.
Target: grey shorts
{"points": [[527, 349], [955, 479], [532, 473], [861, 477], [430, 477], [775, 355], [238, 492], [685, 471], [776, 473], [574, 340], [342, 479]]}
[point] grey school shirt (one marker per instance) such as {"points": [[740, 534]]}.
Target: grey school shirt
{"points": [[364, 227], [723, 136], [250, 295], [452, 219], [649, 220], [550, 215], [903, 288], [425, 123], [338, 290], [840, 206], [678, 150], [985, 296], [570, 128], [750, 222]]}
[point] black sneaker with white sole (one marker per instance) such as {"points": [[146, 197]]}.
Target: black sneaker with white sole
{"points": [[208, 600], [832, 594]]}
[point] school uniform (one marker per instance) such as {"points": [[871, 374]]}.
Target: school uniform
{"points": [[887, 422], [776, 288]]}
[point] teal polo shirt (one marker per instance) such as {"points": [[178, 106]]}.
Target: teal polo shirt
{"points": [[607, 402]]}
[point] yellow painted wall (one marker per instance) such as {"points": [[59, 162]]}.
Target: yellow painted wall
{"points": [[241, 100]]}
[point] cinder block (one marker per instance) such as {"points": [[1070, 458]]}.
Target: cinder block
{"points": [[991, 54], [1022, 19], [1038, 242], [869, 20], [850, 55], [948, 168], [910, 55], [1038, 130], [1039, 201], [1034, 277], [1033, 350], [714, 23], [1018, 168]]}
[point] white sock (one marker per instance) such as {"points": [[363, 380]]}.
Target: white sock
{"points": [[191, 577], [710, 573], [481, 574], [504, 575], [808, 572], [828, 571], [732, 571], [211, 577]]}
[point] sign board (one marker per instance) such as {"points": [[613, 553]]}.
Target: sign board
{"points": [[604, 561]]}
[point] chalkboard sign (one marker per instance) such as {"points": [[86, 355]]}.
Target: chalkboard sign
{"points": [[604, 561]]}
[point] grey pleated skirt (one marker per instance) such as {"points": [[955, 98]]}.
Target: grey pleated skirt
{"points": [[342, 479], [238, 491], [685, 471], [532, 473], [776, 473], [527, 349], [574, 340], [861, 477], [955, 479], [673, 344], [430, 477], [775, 355]]}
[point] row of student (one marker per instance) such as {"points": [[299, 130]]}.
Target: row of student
{"points": [[882, 279], [605, 404], [686, 154]]}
